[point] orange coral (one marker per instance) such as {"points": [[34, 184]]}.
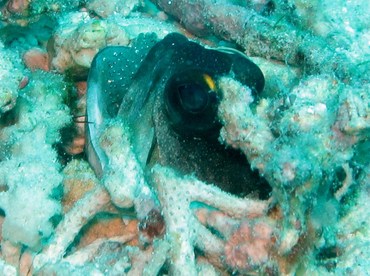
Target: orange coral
{"points": [[250, 245], [36, 58], [18, 6], [109, 228]]}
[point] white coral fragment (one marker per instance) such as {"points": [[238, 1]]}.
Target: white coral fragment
{"points": [[30, 174], [108, 7], [242, 128], [123, 175], [10, 77], [183, 231]]}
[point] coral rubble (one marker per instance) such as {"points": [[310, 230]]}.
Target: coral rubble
{"points": [[27, 150], [306, 135], [10, 77]]}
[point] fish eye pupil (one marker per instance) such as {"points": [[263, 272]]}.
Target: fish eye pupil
{"points": [[193, 97], [191, 104]]}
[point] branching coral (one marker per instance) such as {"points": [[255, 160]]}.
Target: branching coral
{"points": [[306, 150], [170, 189], [247, 238], [176, 196]]}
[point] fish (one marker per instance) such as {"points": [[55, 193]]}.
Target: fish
{"points": [[166, 92]]}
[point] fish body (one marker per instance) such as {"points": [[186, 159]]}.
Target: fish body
{"points": [[166, 93]]}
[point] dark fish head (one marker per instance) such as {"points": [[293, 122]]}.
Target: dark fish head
{"points": [[166, 92], [191, 101]]}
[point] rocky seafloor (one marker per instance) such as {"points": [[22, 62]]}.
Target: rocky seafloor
{"points": [[304, 210]]}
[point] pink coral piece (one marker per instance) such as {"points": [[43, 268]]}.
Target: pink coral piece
{"points": [[36, 58], [249, 246], [18, 6]]}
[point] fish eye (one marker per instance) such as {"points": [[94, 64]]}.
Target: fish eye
{"points": [[191, 103], [192, 97]]}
